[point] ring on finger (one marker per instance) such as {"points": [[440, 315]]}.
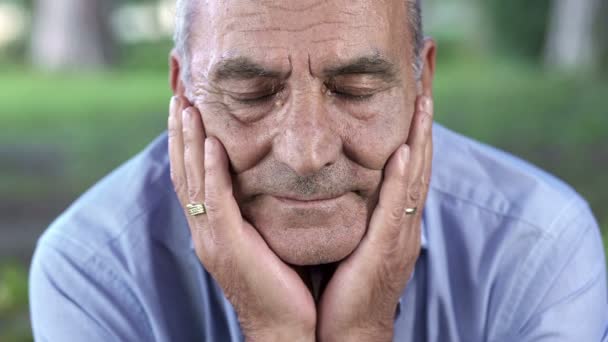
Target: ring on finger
{"points": [[195, 209], [411, 211]]}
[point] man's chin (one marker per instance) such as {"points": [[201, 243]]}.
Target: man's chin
{"points": [[314, 246], [310, 233]]}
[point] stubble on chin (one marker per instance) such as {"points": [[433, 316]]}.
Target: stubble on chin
{"points": [[317, 234], [311, 236]]}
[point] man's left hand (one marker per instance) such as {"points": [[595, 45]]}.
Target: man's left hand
{"points": [[360, 300]]}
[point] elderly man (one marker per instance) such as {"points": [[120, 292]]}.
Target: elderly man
{"points": [[292, 200]]}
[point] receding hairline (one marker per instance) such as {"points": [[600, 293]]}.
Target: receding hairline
{"points": [[184, 14]]}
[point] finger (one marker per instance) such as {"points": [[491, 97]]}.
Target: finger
{"points": [[193, 134], [428, 152], [386, 221], [176, 149], [194, 140], [418, 187], [418, 141], [224, 216]]}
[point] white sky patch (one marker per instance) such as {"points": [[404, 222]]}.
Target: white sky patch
{"points": [[13, 22], [144, 22]]}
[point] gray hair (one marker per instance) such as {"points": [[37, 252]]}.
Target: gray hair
{"points": [[183, 16], [181, 35], [415, 23]]}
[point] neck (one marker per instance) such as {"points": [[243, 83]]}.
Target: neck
{"points": [[316, 277]]}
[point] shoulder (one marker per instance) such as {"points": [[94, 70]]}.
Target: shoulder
{"points": [[119, 262], [520, 238], [121, 205], [498, 182], [487, 198], [81, 275], [121, 222]]}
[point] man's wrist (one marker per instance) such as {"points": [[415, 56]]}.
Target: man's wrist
{"points": [[281, 334], [362, 334]]}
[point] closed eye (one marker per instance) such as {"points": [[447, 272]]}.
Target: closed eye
{"points": [[352, 97], [256, 100], [349, 93]]}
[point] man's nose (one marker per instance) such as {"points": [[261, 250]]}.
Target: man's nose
{"points": [[308, 141]]}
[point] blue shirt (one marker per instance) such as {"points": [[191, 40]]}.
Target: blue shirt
{"points": [[509, 254]]}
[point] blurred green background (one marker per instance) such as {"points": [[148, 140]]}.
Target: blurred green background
{"points": [[76, 101]]}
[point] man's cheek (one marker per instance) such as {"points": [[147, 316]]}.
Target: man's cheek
{"points": [[371, 143], [245, 144]]}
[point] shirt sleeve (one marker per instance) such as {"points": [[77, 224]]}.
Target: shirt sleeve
{"points": [[573, 304], [78, 298]]}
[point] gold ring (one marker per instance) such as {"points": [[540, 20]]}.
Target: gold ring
{"points": [[195, 209], [411, 211]]}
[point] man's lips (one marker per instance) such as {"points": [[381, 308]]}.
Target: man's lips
{"points": [[308, 201]]}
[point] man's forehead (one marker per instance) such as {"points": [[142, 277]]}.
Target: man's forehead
{"points": [[276, 34], [302, 6]]}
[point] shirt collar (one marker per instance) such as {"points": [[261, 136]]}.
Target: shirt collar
{"points": [[423, 236], [423, 247]]}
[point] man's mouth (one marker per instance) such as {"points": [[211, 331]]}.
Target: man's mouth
{"points": [[308, 201]]}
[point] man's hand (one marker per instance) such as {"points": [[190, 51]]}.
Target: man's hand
{"points": [[360, 300], [270, 299]]}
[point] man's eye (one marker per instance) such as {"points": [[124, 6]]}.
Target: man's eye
{"points": [[349, 93], [257, 99], [353, 97]]}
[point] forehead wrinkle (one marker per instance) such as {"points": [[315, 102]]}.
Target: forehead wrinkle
{"points": [[248, 13], [301, 28], [254, 19], [245, 67], [370, 64], [272, 5]]}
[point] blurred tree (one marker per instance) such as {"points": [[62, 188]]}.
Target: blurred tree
{"points": [[519, 26], [72, 34], [602, 35], [571, 40]]}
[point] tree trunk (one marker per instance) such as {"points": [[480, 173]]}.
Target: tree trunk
{"points": [[602, 33], [72, 34], [571, 40]]}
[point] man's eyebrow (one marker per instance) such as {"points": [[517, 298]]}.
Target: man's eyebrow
{"points": [[242, 68], [374, 65]]}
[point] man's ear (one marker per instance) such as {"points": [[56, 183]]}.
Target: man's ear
{"points": [[175, 79], [428, 55]]}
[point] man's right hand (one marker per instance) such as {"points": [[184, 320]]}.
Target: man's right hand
{"points": [[270, 299]]}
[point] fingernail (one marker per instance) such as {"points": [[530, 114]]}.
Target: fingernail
{"points": [[173, 105], [405, 154], [208, 150], [427, 104], [423, 104]]}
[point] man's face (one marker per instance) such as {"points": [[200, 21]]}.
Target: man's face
{"points": [[309, 98]]}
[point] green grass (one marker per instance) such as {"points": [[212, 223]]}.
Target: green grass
{"points": [[92, 122], [521, 104], [14, 322]]}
